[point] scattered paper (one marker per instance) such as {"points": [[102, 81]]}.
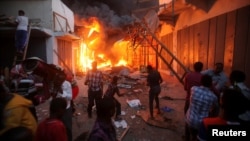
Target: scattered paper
{"points": [[134, 103], [138, 90], [133, 116], [122, 124], [123, 113]]}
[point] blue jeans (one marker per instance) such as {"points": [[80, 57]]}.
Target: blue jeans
{"points": [[21, 37]]}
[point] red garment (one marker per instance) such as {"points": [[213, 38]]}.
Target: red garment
{"points": [[204, 132], [75, 88], [214, 121], [75, 91], [192, 79], [51, 130]]}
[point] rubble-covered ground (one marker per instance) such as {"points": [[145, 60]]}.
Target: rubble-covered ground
{"points": [[133, 127]]}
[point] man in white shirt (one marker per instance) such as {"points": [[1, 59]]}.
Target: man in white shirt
{"points": [[22, 31], [219, 78], [66, 92]]}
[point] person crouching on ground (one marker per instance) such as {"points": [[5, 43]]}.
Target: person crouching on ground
{"points": [[110, 92]]}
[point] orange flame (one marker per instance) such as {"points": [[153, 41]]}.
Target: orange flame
{"points": [[88, 50], [121, 62]]}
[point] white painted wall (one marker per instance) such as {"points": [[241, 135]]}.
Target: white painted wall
{"points": [[63, 10], [50, 45]]}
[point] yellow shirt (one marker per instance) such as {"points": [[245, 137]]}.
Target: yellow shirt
{"points": [[17, 113]]}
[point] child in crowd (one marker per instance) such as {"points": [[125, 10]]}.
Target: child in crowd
{"points": [[52, 128]]}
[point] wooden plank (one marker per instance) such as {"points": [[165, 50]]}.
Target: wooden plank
{"points": [[203, 42], [168, 40], [123, 134], [185, 48], [241, 39], [220, 38], [27, 43], [191, 48], [211, 43], [170, 43], [179, 45], [196, 42], [229, 42]]}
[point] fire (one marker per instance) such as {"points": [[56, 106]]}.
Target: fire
{"points": [[89, 51], [94, 27], [121, 62]]}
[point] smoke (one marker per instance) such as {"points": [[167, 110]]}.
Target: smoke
{"points": [[113, 20], [103, 13]]}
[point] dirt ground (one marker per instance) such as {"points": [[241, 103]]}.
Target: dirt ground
{"points": [[170, 122]]}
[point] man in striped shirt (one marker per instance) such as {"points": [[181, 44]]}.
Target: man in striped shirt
{"points": [[202, 100], [94, 80]]}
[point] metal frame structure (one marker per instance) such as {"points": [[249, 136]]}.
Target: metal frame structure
{"points": [[143, 39]]}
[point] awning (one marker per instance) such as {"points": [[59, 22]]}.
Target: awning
{"points": [[35, 32], [66, 36]]}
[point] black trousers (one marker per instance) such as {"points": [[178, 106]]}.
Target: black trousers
{"points": [[94, 97], [190, 133], [153, 95], [118, 107], [67, 121]]}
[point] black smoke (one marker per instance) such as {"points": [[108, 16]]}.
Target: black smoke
{"points": [[113, 15]]}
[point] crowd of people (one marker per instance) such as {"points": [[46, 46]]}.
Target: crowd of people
{"points": [[16, 111], [213, 99]]}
